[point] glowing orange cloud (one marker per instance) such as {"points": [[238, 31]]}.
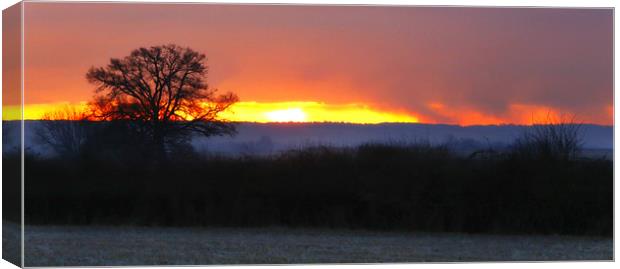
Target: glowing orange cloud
{"points": [[522, 114]]}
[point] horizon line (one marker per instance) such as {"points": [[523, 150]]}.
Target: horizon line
{"points": [[353, 123]]}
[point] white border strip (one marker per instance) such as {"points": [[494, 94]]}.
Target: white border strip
{"points": [[22, 136]]}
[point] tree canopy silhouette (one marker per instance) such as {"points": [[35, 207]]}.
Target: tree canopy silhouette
{"points": [[161, 91]]}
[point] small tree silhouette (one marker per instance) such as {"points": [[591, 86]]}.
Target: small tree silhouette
{"points": [[558, 138], [64, 130], [161, 92]]}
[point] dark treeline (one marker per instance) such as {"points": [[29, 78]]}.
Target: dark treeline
{"points": [[418, 187]]}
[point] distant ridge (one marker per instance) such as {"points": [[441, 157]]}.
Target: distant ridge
{"points": [[266, 138]]}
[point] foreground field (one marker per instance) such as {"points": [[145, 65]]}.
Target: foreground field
{"points": [[85, 246]]}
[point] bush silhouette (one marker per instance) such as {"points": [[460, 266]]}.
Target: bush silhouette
{"points": [[559, 139], [65, 131]]}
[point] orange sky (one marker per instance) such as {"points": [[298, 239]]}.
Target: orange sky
{"points": [[357, 64]]}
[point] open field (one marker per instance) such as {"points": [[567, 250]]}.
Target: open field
{"points": [[107, 245]]}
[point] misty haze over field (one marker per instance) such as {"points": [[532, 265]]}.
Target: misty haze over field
{"points": [[271, 138]]}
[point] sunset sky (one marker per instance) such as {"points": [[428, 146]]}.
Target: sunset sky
{"points": [[343, 63]]}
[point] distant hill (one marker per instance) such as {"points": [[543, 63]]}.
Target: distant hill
{"points": [[266, 138], [272, 137]]}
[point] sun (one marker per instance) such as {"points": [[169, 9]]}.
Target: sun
{"points": [[286, 115]]}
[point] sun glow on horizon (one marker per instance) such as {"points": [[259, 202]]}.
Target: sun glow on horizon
{"points": [[262, 112], [37, 111], [286, 115], [308, 111], [356, 113]]}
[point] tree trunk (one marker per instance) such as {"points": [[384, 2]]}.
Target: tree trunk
{"points": [[159, 144]]}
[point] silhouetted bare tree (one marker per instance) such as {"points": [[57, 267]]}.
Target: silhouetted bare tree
{"points": [[554, 138], [64, 130], [161, 92]]}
